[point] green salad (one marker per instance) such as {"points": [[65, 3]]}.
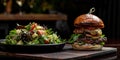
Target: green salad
{"points": [[32, 34]]}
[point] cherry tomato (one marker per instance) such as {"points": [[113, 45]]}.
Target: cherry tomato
{"points": [[41, 32], [46, 41], [33, 26]]}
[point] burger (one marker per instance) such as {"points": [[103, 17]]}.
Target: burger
{"points": [[88, 33]]}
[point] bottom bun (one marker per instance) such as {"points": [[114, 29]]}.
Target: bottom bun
{"points": [[77, 46]]}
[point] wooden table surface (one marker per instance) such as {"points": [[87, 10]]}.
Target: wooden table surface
{"points": [[67, 54]]}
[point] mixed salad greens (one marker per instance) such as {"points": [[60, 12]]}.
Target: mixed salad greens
{"points": [[32, 34]]}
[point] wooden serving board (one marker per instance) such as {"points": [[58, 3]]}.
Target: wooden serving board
{"points": [[67, 54]]}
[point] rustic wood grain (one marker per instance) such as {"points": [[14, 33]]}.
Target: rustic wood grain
{"points": [[12, 17], [67, 54]]}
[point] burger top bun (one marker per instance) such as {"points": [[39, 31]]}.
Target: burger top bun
{"points": [[89, 20]]}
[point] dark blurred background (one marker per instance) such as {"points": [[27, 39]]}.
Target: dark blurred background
{"points": [[107, 10]]}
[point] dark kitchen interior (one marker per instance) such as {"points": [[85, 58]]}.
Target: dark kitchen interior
{"points": [[107, 10]]}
